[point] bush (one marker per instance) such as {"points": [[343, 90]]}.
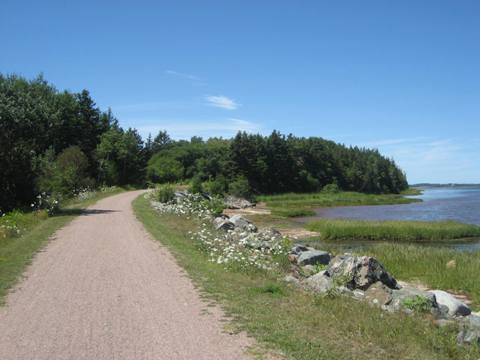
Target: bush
{"points": [[196, 185], [240, 188], [331, 189], [66, 175], [165, 193], [216, 205], [215, 187]]}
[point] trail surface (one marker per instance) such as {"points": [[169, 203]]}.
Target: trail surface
{"points": [[103, 289]]}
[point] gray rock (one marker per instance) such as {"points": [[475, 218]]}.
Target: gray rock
{"points": [[222, 223], [320, 282], [470, 330], [378, 294], [299, 248], [243, 224], [455, 306], [291, 280], [401, 297], [232, 202], [359, 272], [270, 234], [313, 257]]}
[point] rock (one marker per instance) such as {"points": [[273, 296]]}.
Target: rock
{"points": [[291, 280], [222, 223], [320, 282], [359, 272], [180, 196], [308, 270], [270, 234], [409, 294], [299, 248], [241, 223], [470, 331], [378, 294], [313, 257], [455, 306], [444, 323], [292, 258], [232, 202]]}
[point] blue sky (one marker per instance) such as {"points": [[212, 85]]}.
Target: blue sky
{"points": [[399, 76]]}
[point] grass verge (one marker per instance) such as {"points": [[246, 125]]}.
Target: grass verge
{"points": [[294, 205], [17, 250], [340, 229], [298, 324]]}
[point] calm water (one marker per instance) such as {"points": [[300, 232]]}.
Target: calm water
{"points": [[460, 204]]}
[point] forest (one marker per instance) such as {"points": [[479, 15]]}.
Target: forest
{"points": [[60, 142]]}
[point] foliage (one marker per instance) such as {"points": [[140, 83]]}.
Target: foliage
{"points": [[216, 205], [338, 229], [331, 189], [216, 187], [240, 188], [196, 186], [418, 303], [164, 169], [165, 193]]}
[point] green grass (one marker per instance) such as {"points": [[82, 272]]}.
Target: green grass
{"points": [[296, 323], [428, 265], [17, 250], [293, 204], [339, 229]]}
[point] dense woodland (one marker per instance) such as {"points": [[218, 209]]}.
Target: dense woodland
{"points": [[61, 142]]}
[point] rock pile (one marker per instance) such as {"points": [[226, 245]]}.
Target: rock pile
{"points": [[365, 278]]}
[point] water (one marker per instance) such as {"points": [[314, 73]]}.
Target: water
{"points": [[439, 203]]}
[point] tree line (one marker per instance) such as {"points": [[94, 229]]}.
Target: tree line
{"points": [[60, 141]]}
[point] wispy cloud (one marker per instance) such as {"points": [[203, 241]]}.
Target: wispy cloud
{"points": [[182, 75], [184, 129], [222, 102]]}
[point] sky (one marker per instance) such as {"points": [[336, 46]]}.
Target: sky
{"points": [[402, 77]]}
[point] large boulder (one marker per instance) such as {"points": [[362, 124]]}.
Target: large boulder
{"points": [[243, 224], [313, 257], [320, 282], [232, 202], [359, 272], [455, 306]]}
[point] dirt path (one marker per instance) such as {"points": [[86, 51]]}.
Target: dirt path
{"points": [[104, 290]]}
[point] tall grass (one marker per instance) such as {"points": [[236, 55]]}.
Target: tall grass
{"points": [[339, 229], [295, 204]]}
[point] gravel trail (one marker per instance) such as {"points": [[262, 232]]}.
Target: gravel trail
{"points": [[103, 289]]}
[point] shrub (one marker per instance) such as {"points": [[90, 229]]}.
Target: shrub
{"points": [[196, 185], [418, 304], [165, 193], [331, 189], [240, 188], [216, 205], [66, 175], [215, 187]]}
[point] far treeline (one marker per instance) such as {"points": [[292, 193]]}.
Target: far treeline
{"points": [[60, 142]]}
